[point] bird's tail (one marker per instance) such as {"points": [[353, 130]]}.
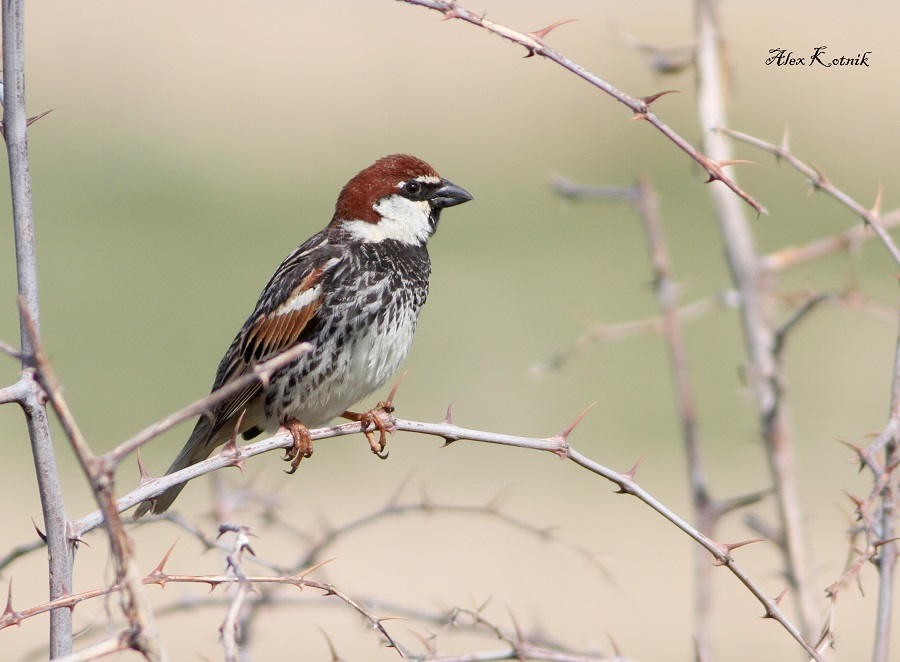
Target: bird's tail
{"points": [[198, 447]]}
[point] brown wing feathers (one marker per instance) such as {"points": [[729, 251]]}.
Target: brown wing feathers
{"points": [[281, 329]]}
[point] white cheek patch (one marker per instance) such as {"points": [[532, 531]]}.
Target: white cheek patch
{"points": [[403, 220]]}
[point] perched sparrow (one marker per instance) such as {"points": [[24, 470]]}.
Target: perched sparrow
{"points": [[353, 291]]}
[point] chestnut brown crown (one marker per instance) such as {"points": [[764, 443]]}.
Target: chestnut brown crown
{"points": [[397, 174]]}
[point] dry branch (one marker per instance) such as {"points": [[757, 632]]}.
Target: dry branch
{"points": [[143, 636], [534, 43], [764, 369], [817, 179], [26, 392], [557, 444]]}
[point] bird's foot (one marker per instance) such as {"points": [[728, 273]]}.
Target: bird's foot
{"points": [[380, 417], [302, 443]]}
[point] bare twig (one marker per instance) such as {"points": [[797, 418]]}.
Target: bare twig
{"points": [[15, 122], [600, 332], [230, 629], [887, 531], [237, 455], [9, 350], [707, 511], [704, 510], [143, 636], [759, 337], [99, 650], [817, 179], [161, 578], [20, 393], [556, 444], [314, 552], [519, 646], [534, 43], [792, 256], [261, 372]]}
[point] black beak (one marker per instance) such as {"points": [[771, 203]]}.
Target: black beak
{"points": [[448, 195]]}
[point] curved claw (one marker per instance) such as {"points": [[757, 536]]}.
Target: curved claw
{"points": [[375, 417], [302, 444]]}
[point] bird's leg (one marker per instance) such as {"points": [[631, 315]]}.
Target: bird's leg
{"points": [[380, 417], [302, 443]]}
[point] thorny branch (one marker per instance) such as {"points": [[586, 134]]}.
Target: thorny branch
{"points": [[316, 544], [534, 43], [520, 647], [705, 510], [877, 514], [771, 264], [556, 444], [61, 551], [99, 469], [261, 372], [871, 217], [602, 332], [848, 240], [878, 527], [234, 575], [143, 636], [764, 370], [456, 619]]}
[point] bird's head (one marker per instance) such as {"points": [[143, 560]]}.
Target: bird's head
{"points": [[398, 197]]}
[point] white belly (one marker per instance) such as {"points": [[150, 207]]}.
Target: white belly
{"points": [[361, 367]]}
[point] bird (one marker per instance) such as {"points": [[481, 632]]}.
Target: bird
{"points": [[353, 291]]}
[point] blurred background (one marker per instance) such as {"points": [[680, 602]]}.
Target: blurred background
{"points": [[193, 145]]}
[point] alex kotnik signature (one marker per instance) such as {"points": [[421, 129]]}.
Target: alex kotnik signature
{"points": [[782, 57]]}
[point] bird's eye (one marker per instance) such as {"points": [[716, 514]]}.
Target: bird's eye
{"points": [[412, 187]]}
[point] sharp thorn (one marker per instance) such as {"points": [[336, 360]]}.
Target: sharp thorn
{"points": [[729, 547], [860, 453], [784, 149], [448, 419], [543, 32], [40, 533], [162, 564], [879, 543], [390, 399], [231, 447], [631, 472], [653, 97], [565, 433], [145, 476], [728, 162], [821, 181], [876, 207], [855, 499], [9, 608], [32, 120]]}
